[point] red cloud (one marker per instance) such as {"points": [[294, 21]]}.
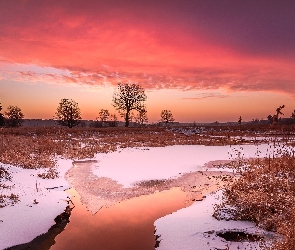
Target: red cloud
{"points": [[158, 45]]}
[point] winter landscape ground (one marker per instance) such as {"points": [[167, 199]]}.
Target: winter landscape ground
{"points": [[152, 187]]}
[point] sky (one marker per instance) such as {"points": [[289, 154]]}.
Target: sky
{"points": [[205, 60]]}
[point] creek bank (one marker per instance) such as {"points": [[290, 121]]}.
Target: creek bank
{"points": [[46, 240]]}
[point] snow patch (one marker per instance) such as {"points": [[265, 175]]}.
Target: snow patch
{"points": [[41, 200], [131, 165], [195, 228]]}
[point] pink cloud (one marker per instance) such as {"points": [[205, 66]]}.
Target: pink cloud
{"points": [[174, 49]]}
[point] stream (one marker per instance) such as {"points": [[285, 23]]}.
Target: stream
{"points": [[126, 225]]}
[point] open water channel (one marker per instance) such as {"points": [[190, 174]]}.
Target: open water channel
{"points": [[125, 225]]}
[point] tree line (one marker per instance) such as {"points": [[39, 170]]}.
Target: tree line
{"points": [[127, 99]]}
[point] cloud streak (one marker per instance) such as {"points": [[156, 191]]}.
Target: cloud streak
{"points": [[185, 79], [202, 96]]}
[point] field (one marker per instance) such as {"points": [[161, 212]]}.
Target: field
{"points": [[263, 191]]}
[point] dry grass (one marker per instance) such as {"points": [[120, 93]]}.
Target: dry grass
{"points": [[38, 147], [265, 195], [8, 199], [51, 173], [4, 176], [4, 198]]}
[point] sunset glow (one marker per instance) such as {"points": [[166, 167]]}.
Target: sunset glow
{"points": [[205, 61]]}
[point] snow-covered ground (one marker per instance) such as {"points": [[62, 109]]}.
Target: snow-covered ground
{"points": [[41, 200], [195, 228], [130, 165], [38, 206]]}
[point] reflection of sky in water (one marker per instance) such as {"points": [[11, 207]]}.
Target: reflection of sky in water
{"points": [[125, 225]]}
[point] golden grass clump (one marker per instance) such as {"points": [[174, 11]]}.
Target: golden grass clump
{"points": [[8, 199], [4, 198], [51, 173], [4, 175]]}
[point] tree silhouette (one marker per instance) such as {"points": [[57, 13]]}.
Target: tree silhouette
{"points": [[279, 110], [103, 115], [14, 116], [68, 113], [275, 117], [128, 97], [141, 117], [166, 116], [293, 114], [1, 116]]}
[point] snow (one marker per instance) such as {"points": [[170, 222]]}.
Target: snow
{"points": [[26, 220], [195, 228], [131, 165]]}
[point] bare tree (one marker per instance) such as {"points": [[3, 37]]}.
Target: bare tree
{"points": [[278, 110], [128, 97], [68, 113], [166, 116], [275, 117], [141, 117], [14, 116], [103, 115]]}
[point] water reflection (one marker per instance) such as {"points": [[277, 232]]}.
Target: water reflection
{"points": [[125, 225]]}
